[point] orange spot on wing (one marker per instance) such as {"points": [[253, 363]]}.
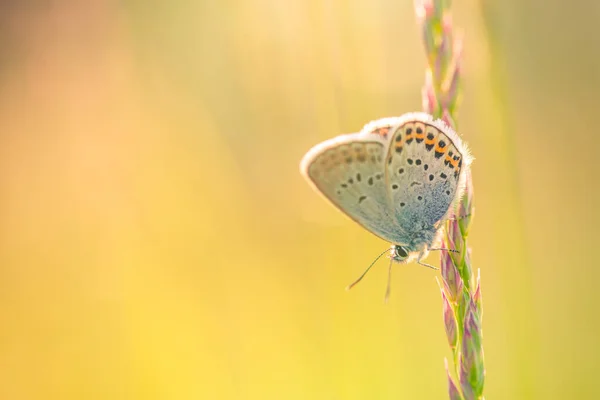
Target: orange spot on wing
{"points": [[420, 127], [451, 161]]}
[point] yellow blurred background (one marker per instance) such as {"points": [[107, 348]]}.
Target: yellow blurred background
{"points": [[158, 242]]}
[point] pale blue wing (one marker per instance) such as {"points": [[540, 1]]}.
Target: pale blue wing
{"points": [[424, 170]]}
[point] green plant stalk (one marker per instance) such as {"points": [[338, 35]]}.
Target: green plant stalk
{"points": [[461, 292]]}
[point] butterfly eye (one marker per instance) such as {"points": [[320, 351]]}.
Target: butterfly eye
{"points": [[401, 252]]}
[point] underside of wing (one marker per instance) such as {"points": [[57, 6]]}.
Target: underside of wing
{"points": [[426, 164], [350, 172]]}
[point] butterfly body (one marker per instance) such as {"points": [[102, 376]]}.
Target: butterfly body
{"points": [[398, 177]]}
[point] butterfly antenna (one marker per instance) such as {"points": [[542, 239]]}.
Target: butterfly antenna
{"points": [[350, 286], [389, 283]]}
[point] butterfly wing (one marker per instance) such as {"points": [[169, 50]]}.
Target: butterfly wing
{"points": [[426, 164], [349, 171]]}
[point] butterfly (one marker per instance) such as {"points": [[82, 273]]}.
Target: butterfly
{"points": [[399, 178]]}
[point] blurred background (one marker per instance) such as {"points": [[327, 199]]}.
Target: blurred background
{"points": [[158, 242]]}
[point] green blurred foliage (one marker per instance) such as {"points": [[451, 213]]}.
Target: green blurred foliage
{"points": [[158, 242]]}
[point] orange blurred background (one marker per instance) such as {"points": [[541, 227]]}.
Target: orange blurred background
{"points": [[158, 242]]}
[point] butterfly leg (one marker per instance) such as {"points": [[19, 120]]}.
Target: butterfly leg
{"points": [[425, 264]]}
